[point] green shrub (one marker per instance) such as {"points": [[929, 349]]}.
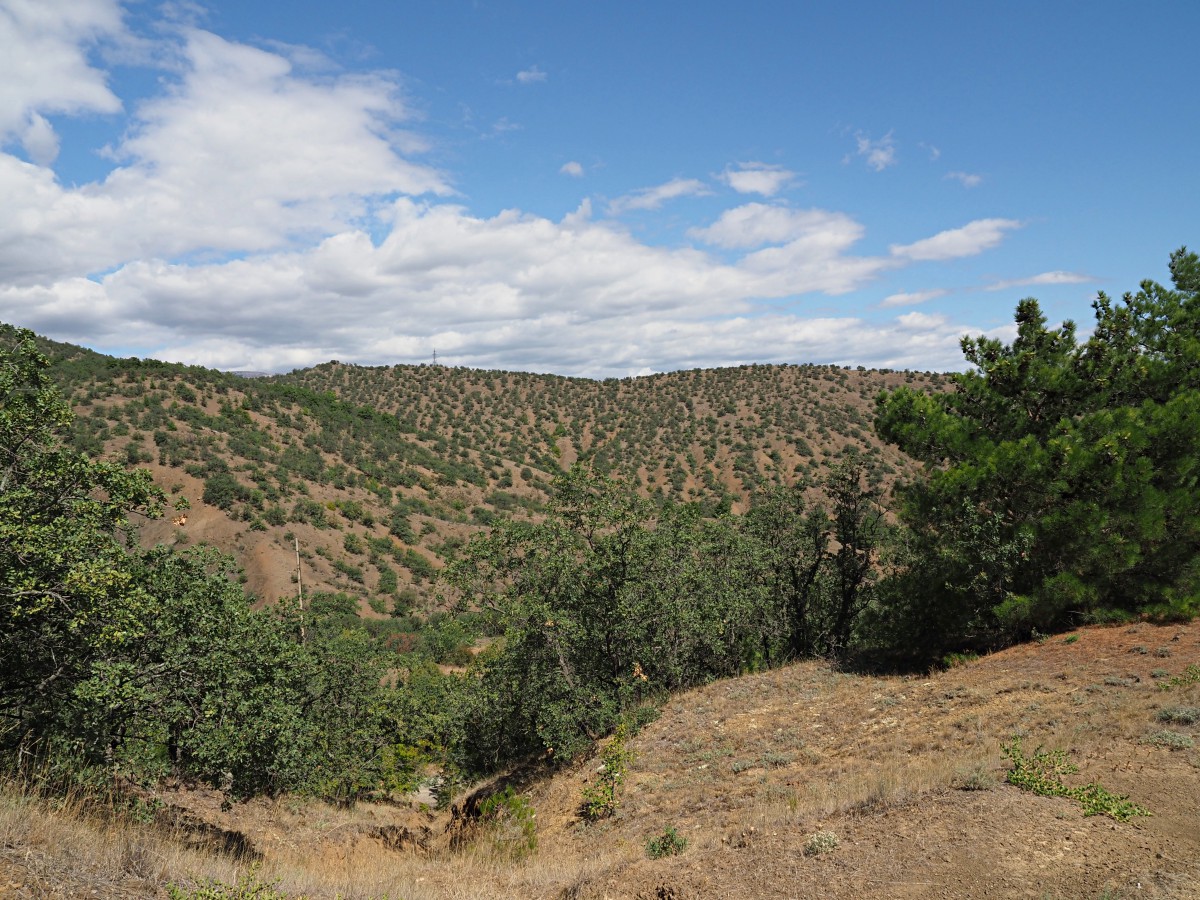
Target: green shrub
{"points": [[600, 797], [1042, 774], [669, 843], [511, 821], [248, 887]]}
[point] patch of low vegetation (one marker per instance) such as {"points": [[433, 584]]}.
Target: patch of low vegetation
{"points": [[821, 842], [248, 887], [1190, 675], [601, 797], [1179, 715], [510, 820], [668, 843], [1042, 773], [1172, 740]]}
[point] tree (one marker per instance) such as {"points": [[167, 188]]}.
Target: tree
{"points": [[608, 600], [1061, 478], [140, 661], [818, 565], [67, 595]]}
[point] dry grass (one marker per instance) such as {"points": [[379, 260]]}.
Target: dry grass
{"points": [[906, 771]]}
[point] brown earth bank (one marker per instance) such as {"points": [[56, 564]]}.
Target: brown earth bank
{"points": [[905, 773]]}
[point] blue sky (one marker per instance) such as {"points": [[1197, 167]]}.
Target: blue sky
{"points": [[588, 189]]}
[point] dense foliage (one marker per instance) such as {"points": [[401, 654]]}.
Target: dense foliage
{"points": [[140, 662], [1061, 475], [611, 600]]}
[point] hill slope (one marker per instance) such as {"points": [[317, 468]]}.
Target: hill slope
{"points": [[381, 475], [906, 772]]}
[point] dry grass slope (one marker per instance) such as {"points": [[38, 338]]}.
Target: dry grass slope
{"points": [[905, 772]]}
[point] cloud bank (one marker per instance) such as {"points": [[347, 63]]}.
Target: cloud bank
{"points": [[266, 210]]}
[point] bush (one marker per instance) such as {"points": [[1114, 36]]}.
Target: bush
{"points": [[821, 842], [1179, 715], [669, 843], [512, 822], [248, 887], [1172, 740], [600, 798]]}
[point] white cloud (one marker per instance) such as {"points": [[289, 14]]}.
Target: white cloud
{"points": [[966, 179], [572, 168], [1056, 277], [262, 215], [758, 178], [45, 69], [240, 154], [655, 197], [755, 224], [970, 240], [879, 154], [911, 299], [532, 75], [934, 152]]}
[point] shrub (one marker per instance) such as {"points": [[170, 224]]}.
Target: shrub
{"points": [[1179, 715], [821, 842], [248, 887], [511, 820], [600, 797], [1172, 740], [1042, 773], [669, 843]]}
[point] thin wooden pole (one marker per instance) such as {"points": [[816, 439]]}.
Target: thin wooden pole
{"points": [[300, 589]]}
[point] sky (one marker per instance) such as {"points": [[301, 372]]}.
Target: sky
{"points": [[593, 189]]}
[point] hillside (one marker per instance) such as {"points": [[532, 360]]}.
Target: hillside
{"points": [[906, 772], [380, 475]]}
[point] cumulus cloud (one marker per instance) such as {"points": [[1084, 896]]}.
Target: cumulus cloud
{"points": [[758, 178], [880, 154], [1056, 277], [911, 299], [970, 240], [532, 75], [966, 179], [263, 214], [241, 154], [655, 197], [572, 168], [45, 68], [755, 224]]}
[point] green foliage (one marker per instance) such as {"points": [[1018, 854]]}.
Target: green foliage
{"points": [[1061, 476], [1190, 675], [249, 886], [1043, 773], [138, 662], [68, 597], [669, 843], [818, 565], [600, 797], [511, 821]]}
